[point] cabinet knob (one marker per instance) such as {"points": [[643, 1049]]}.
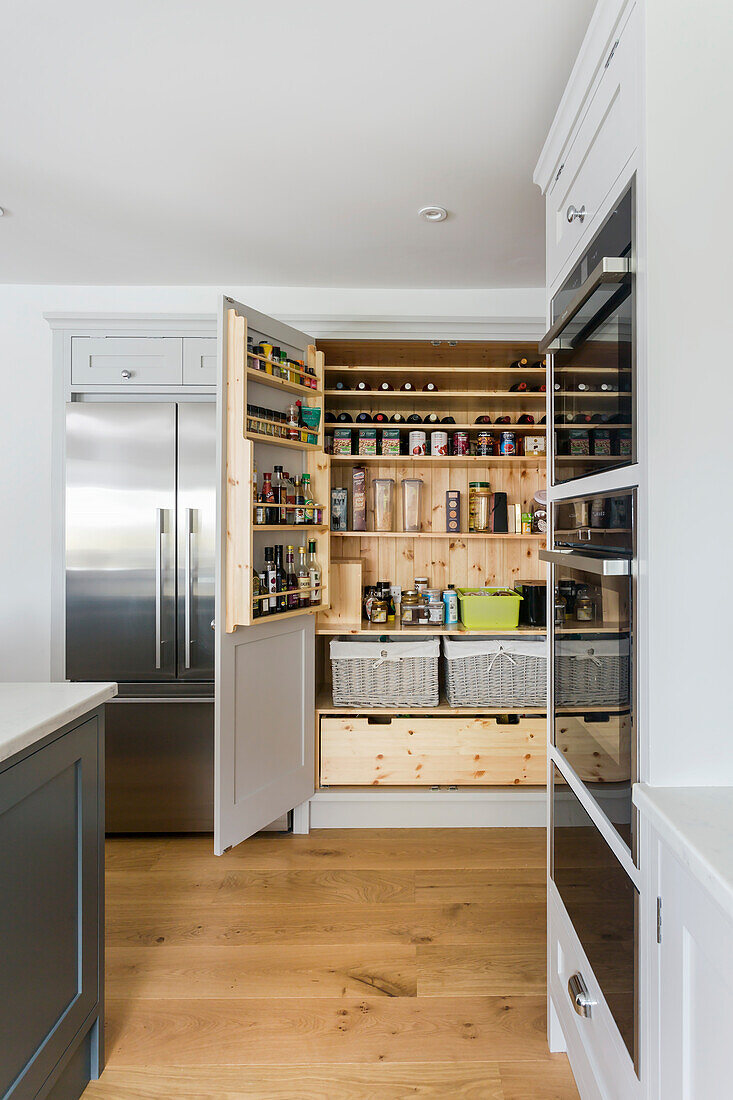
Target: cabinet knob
{"points": [[579, 995], [213, 624], [573, 213], [127, 375]]}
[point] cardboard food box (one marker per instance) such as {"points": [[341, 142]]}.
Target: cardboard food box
{"points": [[339, 509], [358, 499], [367, 441], [342, 441], [391, 441]]}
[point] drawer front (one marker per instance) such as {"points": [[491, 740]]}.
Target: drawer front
{"points": [[123, 361], [449, 751], [606, 139], [199, 361], [600, 752]]}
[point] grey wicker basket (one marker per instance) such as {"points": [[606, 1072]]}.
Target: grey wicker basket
{"points": [[379, 674], [495, 672], [592, 673]]}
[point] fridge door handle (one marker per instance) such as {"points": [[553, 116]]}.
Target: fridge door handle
{"points": [[605, 567], [187, 580], [159, 534]]}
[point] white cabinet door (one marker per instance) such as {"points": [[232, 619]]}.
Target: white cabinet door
{"points": [[126, 361], [606, 139], [199, 361], [265, 669], [696, 988]]}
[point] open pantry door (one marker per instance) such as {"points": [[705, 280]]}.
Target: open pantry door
{"points": [[265, 664]]}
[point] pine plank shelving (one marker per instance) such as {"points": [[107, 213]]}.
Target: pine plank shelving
{"points": [[456, 536], [445, 460], [281, 383], [324, 705], [417, 632]]}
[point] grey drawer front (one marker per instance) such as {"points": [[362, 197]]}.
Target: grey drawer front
{"points": [[49, 882], [126, 361]]}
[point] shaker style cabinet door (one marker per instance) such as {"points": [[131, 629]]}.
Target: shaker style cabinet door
{"points": [[199, 361], [126, 361]]}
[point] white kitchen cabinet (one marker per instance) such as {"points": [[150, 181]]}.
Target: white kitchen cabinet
{"points": [[592, 164], [199, 361], [126, 361]]}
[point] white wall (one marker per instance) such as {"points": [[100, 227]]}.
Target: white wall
{"points": [[25, 437], [690, 342]]}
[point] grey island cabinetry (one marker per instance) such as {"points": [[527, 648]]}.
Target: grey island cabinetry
{"points": [[51, 888]]}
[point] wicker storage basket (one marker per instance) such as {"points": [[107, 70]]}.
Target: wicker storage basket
{"points": [[495, 672], [592, 673], [385, 674]]}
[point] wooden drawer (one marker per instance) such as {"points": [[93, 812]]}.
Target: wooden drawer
{"points": [[600, 752], [601, 148], [425, 752], [199, 361], [126, 361]]}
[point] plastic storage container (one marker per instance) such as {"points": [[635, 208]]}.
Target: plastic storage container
{"points": [[485, 609], [383, 503], [411, 504], [495, 672], [379, 674]]}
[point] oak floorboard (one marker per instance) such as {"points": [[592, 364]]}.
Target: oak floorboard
{"points": [[547, 1080], [201, 972], [128, 853], [478, 1081], [488, 886], [367, 849], [478, 971], [311, 1030], [496, 925]]}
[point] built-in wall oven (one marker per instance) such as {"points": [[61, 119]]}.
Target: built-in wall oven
{"points": [[591, 341]]}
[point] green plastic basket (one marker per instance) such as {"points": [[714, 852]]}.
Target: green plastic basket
{"points": [[484, 609]]}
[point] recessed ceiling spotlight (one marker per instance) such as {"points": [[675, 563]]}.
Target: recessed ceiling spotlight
{"points": [[433, 213]]}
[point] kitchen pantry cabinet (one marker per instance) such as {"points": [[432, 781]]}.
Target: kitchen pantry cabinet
{"points": [[199, 361], [597, 152], [273, 673]]}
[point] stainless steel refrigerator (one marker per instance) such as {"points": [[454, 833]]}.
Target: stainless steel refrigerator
{"points": [[140, 552]]}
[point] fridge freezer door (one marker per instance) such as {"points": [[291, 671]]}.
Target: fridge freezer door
{"points": [[120, 541], [264, 727], [196, 538]]}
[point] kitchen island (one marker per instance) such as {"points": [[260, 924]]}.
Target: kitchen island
{"points": [[52, 887]]}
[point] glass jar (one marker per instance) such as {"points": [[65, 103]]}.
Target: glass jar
{"points": [[411, 503], [481, 510], [411, 603], [379, 609], [585, 611]]}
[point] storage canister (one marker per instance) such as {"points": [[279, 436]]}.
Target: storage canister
{"points": [[417, 443], [383, 488], [411, 503], [439, 443], [473, 487]]}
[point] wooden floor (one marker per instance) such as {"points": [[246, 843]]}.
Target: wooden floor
{"points": [[345, 964]]}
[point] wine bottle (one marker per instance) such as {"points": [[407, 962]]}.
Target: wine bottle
{"points": [[503, 420], [482, 420], [518, 387], [432, 418], [542, 420], [414, 418], [608, 387], [582, 418], [363, 386], [385, 386], [556, 386], [525, 418], [584, 387], [518, 363], [329, 417], [542, 388], [396, 418], [344, 418], [430, 387], [380, 418], [363, 418], [448, 420], [541, 364], [600, 418], [341, 386], [407, 387], [291, 579]]}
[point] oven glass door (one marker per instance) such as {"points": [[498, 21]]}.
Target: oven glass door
{"points": [[593, 653], [602, 903]]}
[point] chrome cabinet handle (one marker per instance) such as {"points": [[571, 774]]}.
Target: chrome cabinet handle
{"points": [[189, 532], [583, 1003], [159, 532], [127, 375], [573, 213], [213, 624]]}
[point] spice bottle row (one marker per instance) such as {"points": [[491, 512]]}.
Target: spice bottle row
{"points": [[284, 585], [272, 360], [297, 422], [282, 499]]}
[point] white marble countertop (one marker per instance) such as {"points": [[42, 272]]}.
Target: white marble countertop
{"points": [[29, 712], [697, 824]]}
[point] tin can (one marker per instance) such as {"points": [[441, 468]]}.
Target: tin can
{"points": [[508, 444], [460, 443], [439, 443], [485, 443], [417, 443]]}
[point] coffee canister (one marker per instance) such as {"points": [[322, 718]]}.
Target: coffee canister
{"points": [[417, 443], [508, 444], [438, 443], [460, 443]]}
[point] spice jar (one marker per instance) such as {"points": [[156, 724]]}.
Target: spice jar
{"points": [[413, 608]]}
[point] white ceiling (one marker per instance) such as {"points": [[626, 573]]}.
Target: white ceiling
{"points": [[282, 143]]}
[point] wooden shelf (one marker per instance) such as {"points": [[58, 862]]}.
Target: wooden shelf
{"points": [[613, 459], [417, 369], [280, 615], [385, 396], [287, 526], [446, 460], [535, 429], [593, 394], [573, 629], [458, 536], [324, 705], [418, 632], [589, 427], [279, 441], [281, 384]]}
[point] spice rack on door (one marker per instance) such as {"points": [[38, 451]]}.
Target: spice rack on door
{"points": [[479, 377]]}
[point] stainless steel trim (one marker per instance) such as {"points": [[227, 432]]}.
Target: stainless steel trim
{"points": [[604, 567], [159, 532], [583, 1003], [611, 269], [188, 534]]}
